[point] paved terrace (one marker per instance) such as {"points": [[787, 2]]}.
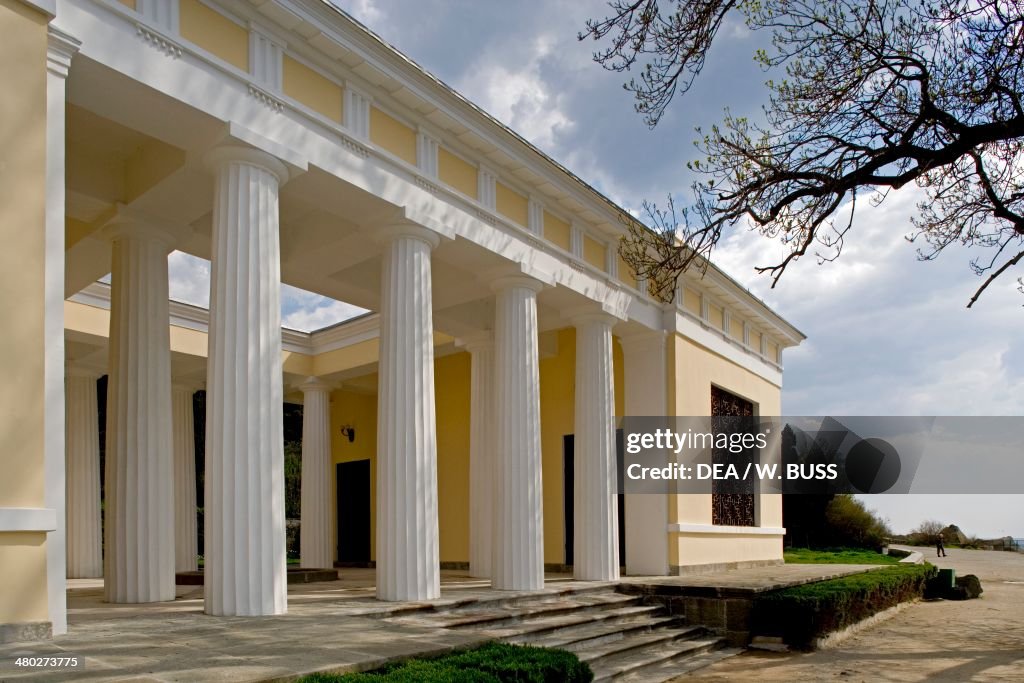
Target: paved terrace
{"points": [[335, 626]]}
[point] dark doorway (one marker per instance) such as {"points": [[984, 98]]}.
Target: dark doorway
{"points": [[353, 479], [568, 470]]}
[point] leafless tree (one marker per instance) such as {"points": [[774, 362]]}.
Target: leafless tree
{"points": [[871, 95]]}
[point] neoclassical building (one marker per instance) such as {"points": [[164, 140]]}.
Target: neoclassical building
{"points": [[468, 421]]}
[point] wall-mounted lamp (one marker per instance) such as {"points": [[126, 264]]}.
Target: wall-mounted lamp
{"points": [[349, 431]]}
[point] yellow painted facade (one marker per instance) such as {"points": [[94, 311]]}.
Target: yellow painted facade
{"points": [[23, 558], [755, 340], [393, 135], [360, 411], [557, 231], [691, 302], [716, 317], [511, 204], [128, 3], [305, 85], [22, 215], [736, 329], [626, 273], [456, 172], [214, 32], [23, 39], [703, 369], [594, 252]]}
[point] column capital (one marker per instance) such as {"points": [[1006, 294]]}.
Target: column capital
{"points": [[217, 157], [315, 384], [60, 48], [407, 229], [126, 224], [591, 313], [642, 342], [475, 341], [73, 369], [516, 281]]}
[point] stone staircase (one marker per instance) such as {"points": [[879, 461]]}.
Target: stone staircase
{"points": [[621, 638]]}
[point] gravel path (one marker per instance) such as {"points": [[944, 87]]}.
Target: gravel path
{"points": [[973, 640]]}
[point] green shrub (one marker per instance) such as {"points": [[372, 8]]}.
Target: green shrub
{"points": [[803, 613], [836, 556], [490, 663]]}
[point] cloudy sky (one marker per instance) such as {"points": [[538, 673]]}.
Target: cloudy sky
{"points": [[887, 334]]}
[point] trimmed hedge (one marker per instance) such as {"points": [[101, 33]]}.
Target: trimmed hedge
{"points": [[802, 614], [490, 663]]}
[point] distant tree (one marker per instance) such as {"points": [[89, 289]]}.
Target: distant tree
{"points": [[851, 523], [927, 532], [874, 95]]}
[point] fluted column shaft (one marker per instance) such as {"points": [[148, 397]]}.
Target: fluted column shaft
{"points": [[317, 547], [84, 542], [139, 557], [186, 546], [481, 455], [518, 554], [595, 514], [407, 534], [244, 542]]}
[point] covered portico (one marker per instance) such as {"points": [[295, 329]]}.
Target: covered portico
{"points": [[284, 143]]}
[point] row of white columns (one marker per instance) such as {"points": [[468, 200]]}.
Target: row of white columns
{"points": [[245, 555], [84, 542]]}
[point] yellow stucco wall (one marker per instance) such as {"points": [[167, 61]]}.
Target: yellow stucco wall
{"points": [[23, 592], [736, 329], [511, 204], [305, 85], [557, 231], [360, 411], [393, 135], [452, 387], [695, 369], [716, 316], [755, 340], [594, 252], [128, 3], [626, 273], [691, 300], [214, 32], [23, 559], [22, 217], [455, 171]]}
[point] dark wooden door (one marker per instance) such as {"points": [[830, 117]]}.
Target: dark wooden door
{"points": [[568, 491], [353, 511]]}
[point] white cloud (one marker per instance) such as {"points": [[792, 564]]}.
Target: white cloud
{"points": [[307, 312], [515, 92], [366, 11], [189, 279]]}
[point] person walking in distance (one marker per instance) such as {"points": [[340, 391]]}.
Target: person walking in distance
{"points": [[940, 548]]}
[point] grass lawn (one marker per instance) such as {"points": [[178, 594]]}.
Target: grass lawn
{"points": [[836, 556]]}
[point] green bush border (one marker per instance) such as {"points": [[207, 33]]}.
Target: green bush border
{"points": [[802, 614], [489, 663]]}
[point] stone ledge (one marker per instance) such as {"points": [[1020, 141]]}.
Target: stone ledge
{"points": [[25, 631]]}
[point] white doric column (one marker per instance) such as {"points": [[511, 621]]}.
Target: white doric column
{"points": [[186, 547], [407, 535], [244, 541], [317, 549], [645, 379], [518, 559], [481, 454], [60, 49], [85, 545], [139, 519], [595, 513]]}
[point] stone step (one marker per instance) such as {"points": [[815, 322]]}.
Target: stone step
{"points": [[643, 657], [606, 631], [488, 615], [552, 626], [670, 669]]}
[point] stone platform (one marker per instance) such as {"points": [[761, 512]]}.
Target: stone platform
{"points": [[334, 625]]}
